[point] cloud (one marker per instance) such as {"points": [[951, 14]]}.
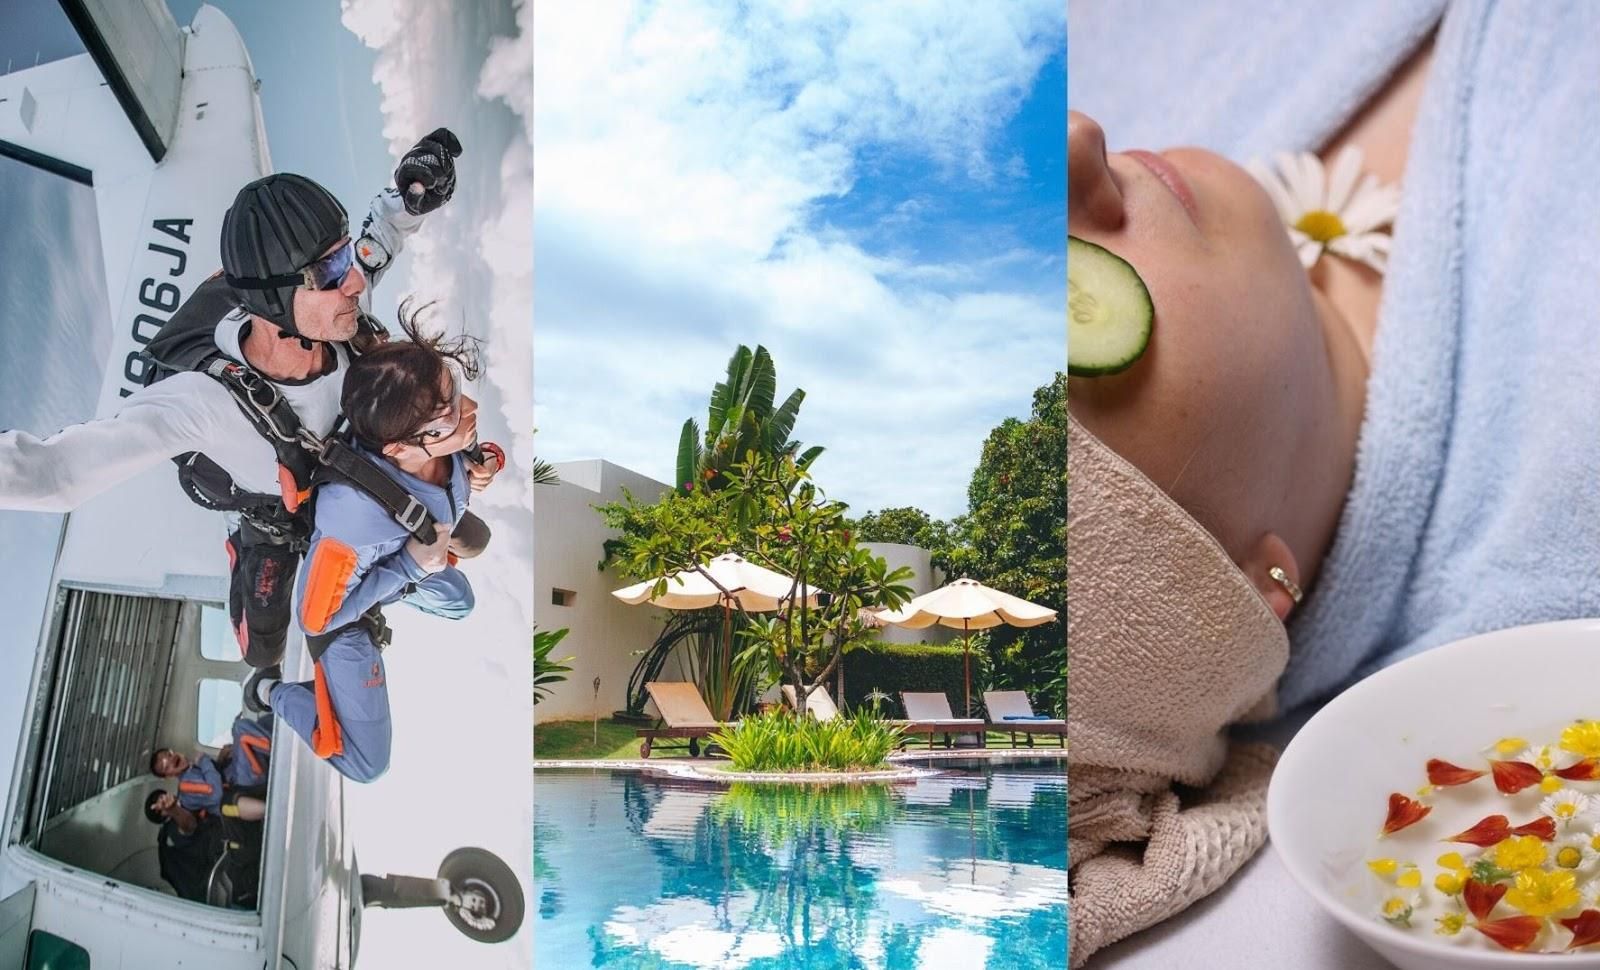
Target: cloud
{"points": [[460, 691], [683, 150]]}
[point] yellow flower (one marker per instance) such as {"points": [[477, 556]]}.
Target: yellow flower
{"points": [[1448, 883], [1451, 860], [1410, 878], [1451, 923], [1520, 852], [1382, 867], [1549, 784], [1582, 738], [1540, 893], [1506, 747]]}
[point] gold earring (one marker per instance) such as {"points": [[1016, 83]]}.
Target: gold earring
{"points": [[1290, 586]]}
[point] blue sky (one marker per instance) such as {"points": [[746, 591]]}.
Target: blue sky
{"points": [[877, 194]]}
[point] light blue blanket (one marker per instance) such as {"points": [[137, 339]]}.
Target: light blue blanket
{"points": [[1476, 500]]}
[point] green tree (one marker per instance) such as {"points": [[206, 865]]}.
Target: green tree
{"points": [[740, 418], [801, 534], [548, 671], [1016, 540]]}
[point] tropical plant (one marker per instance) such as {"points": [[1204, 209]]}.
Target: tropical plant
{"points": [[798, 532], [741, 418], [781, 741], [548, 672]]}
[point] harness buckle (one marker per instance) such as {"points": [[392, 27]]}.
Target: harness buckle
{"points": [[413, 514]]}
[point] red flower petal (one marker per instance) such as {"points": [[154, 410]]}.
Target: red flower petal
{"points": [[1544, 827], [1513, 776], [1444, 774], [1481, 897], [1514, 933], [1403, 811], [1585, 928], [1586, 770], [1495, 828]]}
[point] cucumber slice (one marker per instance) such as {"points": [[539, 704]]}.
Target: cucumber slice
{"points": [[1109, 313]]}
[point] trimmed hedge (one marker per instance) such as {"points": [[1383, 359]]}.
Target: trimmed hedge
{"points": [[895, 667]]}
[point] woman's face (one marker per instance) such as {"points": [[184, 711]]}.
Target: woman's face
{"points": [[1236, 376]]}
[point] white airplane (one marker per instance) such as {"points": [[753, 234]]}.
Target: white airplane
{"points": [[164, 125]]}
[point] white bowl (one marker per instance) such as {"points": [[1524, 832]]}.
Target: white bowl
{"points": [[1330, 791]]}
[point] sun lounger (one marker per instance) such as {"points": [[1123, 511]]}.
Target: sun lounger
{"points": [[930, 714], [819, 703], [1010, 711], [683, 712]]}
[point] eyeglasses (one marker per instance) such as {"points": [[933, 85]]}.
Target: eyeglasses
{"points": [[443, 427], [329, 272]]}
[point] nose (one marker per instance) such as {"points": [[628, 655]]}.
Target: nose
{"points": [[354, 282], [1093, 197]]}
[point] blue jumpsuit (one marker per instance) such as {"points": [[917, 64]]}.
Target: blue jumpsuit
{"points": [[252, 751], [358, 560], [200, 787]]}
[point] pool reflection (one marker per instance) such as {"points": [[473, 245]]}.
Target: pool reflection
{"points": [[966, 869]]}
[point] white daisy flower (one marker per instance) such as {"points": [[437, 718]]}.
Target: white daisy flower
{"points": [[1336, 210], [1398, 906], [1577, 853], [1567, 806], [1546, 757]]}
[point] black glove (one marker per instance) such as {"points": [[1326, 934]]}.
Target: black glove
{"points": [[431, 164]]}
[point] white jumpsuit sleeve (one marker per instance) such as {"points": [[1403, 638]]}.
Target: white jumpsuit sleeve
{"points": [[61, 472], [390, 225]]}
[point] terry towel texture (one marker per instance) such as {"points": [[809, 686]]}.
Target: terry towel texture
{"points": [[1169, 644]]}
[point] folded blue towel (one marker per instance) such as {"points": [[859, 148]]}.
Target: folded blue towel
{"points": [[1476, 499]]}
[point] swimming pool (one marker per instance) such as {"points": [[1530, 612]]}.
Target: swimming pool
{"points": [[966, 870]]}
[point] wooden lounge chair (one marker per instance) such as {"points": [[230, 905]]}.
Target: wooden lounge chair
{"points": [[1010, 711], [683, 712], [819, 703], [930, 714]]}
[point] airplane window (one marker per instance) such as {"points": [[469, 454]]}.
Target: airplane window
{"points": [[217, 641], [220, 703]]}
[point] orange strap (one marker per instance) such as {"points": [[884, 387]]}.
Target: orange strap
{"points": [[327, 740], [195, 787], [249, 744], [332, 565]]}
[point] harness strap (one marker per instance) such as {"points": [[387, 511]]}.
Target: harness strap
{"points": [[359, 470], [327, 737]]}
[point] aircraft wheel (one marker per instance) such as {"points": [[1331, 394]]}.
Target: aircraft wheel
{"points": [[491, 904]]}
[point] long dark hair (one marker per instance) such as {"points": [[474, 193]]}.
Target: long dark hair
{"points": [[392, 390]]}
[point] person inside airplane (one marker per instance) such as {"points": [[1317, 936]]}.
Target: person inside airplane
{"points": [[201, 788], [190, 845], [410, 421]]}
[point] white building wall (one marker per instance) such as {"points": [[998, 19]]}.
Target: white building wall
{"points": [[605, 632], [926, 579]]}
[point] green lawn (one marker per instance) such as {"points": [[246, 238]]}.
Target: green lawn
{"points": [[575, 739]]}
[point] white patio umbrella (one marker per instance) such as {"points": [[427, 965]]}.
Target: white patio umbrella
{"points": [[756, 589], [967, 605]]}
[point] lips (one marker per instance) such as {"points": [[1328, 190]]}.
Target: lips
{"points": [[1163, 170]]}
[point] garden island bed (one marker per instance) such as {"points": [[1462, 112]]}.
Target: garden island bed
{"points": [[719, 771]]}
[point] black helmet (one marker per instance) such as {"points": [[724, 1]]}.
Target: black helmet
{"points": [[276, 226]]}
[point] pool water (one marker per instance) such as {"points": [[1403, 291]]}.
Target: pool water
{"points": [[966, 870]]}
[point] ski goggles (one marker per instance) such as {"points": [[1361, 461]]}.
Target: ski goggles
{"points": [[325, 273]]}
